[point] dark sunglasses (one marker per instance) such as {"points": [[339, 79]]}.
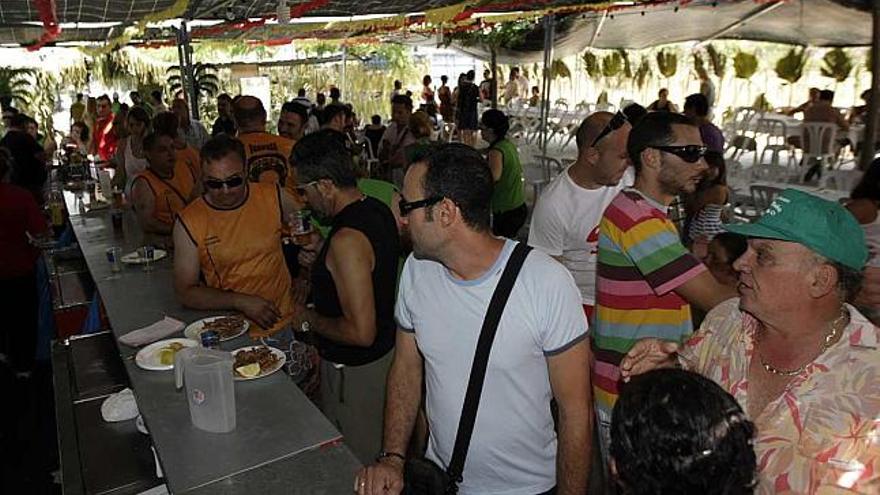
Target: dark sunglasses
{"points": [[406, 207], [690, 153], [230, 182], [614, 124]]}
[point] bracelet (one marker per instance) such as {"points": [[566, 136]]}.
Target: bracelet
{"points": [[384, 454]]}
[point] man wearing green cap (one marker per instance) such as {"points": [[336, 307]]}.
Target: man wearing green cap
{"points": [[802, 362]]}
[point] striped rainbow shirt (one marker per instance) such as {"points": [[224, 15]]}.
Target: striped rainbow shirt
{"points": [[641, 262]]}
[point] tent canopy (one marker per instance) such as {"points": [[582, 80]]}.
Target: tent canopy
{"points": [[804, 22]]}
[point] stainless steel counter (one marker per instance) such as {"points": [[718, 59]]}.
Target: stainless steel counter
{"points": [[282, 443]]}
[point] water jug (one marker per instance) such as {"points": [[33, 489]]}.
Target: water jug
{"points": [[207, 375]]}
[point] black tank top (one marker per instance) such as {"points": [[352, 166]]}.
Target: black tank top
{"points": [[372, 218]]}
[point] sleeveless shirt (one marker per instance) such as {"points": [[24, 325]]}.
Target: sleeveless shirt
{"points": [[171, 195], [372, 218], [508, 191], [240, 248]]}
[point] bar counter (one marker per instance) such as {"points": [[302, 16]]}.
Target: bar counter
{"points": [[281, 444]]}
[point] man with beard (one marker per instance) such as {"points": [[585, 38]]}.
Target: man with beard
{"points": [[293, 120], [540, 352], [353, 282], [646, 279]]}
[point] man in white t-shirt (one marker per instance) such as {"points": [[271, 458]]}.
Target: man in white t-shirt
{"points": [[540, 351], [565, 223]]}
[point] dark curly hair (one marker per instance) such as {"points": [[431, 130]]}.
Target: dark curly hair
{"points": [[461, 174], [674, 431]]}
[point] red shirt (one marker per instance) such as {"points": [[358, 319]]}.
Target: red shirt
{"points": [[19, 213], [105, 138]]}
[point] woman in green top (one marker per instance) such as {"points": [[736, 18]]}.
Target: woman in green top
{"points": [[508, 200]]}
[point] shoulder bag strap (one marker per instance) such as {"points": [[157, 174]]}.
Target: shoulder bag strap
{"points": [[481, 361]]}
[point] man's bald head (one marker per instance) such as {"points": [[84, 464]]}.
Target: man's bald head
{"points": [[249, 114], [590, 128]]}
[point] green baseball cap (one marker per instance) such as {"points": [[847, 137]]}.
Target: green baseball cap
{"points": [[824, 226]]}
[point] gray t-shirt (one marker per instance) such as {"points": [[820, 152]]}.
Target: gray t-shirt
{"points": [[513, 448]]}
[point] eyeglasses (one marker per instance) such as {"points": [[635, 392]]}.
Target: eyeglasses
{"points": [[406, 207], [301, 190], [614, 124], [690, 153], [229, 182]]}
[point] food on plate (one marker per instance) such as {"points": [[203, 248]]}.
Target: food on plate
{"points": [[227, 326], [166, 354], [261, 356], [249, 370]]}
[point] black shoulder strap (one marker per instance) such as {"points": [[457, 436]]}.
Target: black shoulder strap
{"points": [[481, 361]]}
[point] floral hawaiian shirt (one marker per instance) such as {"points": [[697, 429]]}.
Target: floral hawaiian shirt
{"points": [[822, 435]]}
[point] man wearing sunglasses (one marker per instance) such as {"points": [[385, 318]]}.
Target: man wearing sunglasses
{"points": [[227, 252], [162, 190], [353, 281], [646, 279], [540, 350], [565, 223]]}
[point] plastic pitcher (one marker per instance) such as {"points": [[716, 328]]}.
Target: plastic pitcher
{"points": [[207, 374]]}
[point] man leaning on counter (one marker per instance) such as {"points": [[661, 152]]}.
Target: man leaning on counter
{"points": [[228, 243]]}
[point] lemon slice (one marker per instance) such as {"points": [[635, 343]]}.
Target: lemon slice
{"points": [[249, 371], [166, 356]]}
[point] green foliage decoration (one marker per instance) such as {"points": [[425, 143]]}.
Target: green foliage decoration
{"points": [[790, 68], [667, 63], [718, 61], [559, 70], [612, 64], [837, 65], [206, 81], [15, 85], [745, 65], [592, 65], [643, 73]]}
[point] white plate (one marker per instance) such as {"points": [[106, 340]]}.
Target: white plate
{"points": [[148, 357], [263, 373], [134, 258], [194, 329]]}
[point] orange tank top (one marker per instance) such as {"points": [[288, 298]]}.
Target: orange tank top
{"points": [[240, 249], [190, 157], [267, 157], [171, 195]]}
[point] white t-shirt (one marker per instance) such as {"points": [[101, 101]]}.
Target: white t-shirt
{"points": [[513, 447], [565, 224]]}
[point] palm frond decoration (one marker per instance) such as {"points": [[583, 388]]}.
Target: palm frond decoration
{"points": [[745, 65], [837, 65], [700, 65], [643, 73], [15, 85], [592, 65], [718, 61], [762, 104], [205, 79], [790, 68], [667, 63], [559, 69], [612, 64], [627, 67]]}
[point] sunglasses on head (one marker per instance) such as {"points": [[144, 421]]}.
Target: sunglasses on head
{"points": [[406, 207], [229, 182], [690, 153], [614, 124]]}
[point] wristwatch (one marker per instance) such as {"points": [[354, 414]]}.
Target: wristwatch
{"points": [[383, 454]]}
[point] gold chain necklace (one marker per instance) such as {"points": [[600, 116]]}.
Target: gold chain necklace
{"points": [[830, 338]]}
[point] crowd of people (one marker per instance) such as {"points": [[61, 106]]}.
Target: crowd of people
{"points": [[723, 358]]}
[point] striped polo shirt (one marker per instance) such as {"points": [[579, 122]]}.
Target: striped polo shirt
{"points": [[641, 262]]}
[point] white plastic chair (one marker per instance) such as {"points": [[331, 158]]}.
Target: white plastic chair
{"points": [[763, 196], [777, 132], [818, 143], [743, 134]]}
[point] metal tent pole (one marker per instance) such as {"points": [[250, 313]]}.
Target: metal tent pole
{"points": [[187, 73], [344, 60], [870, 138], [549, 38]]}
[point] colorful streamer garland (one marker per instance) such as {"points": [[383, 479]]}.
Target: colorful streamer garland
{"points": [[51, 28]]}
